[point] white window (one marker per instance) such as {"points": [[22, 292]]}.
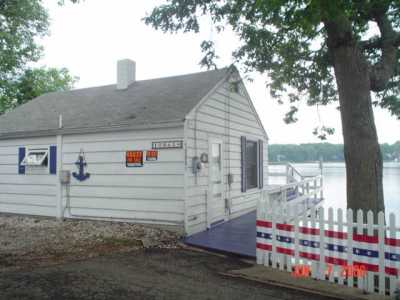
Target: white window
{"points": [[36, 158], [251, 164]]}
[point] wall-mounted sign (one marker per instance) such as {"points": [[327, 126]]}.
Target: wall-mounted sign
{"points": [[167, 145], [134, 158], [151, 155]]}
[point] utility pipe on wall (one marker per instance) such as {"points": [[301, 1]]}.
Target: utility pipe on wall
{"points": [[59, 195]]}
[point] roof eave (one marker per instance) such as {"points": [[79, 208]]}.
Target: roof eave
{"points": [[84, 130]]}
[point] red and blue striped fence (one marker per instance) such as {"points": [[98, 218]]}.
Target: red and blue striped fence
{"points": [[331, 247]]}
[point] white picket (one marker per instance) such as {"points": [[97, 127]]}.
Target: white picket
{"points": [[369, 279], [296, 242], [341, 254], [331, 275], [310, 237], [381, 239], [268, 258], [321, 222], [392, 235], [290, 214], [280, 219], [350, 227], [273, 236], [260, 216], [360, 230]]}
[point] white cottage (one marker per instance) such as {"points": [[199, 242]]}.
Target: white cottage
{"points": [[186, 151]]}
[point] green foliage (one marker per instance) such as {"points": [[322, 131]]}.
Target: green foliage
{"points": [[322, 132], [288, 41], [33, 83], [326, 151], [22, 22]]}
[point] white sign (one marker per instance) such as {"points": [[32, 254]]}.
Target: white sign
{"points": [[167, 144]]}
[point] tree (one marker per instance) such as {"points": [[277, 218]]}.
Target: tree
{"points": [[320, 51], [33, 83], [22, 22]]}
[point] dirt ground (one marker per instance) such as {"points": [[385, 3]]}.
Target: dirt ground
{"points": [[141, 274], [41, 258], [28, 241]]}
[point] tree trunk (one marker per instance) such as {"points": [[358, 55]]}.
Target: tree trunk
{"points": [[361, 148]]}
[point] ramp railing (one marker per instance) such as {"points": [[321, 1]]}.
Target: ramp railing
{"points": [[295, 189], [300, 195]]}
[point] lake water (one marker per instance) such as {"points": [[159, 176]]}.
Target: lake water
{"points": [[335, 184]]}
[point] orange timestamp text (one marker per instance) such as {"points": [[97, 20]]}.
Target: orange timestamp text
{"points": [[346, 271]]}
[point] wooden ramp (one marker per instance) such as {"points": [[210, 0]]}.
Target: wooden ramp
{"points": [[237, 236]]}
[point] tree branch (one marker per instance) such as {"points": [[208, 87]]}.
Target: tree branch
{"points": [[377, 43], [381, 72]]}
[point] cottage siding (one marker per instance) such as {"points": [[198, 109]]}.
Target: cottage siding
{"points": [[149, 194], [227, 115], [25, 193]]}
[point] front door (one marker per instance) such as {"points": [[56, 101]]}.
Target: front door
{"points": [[215, 199]]}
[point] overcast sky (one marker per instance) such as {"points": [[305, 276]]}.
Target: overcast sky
{"points": [[89, 38]]}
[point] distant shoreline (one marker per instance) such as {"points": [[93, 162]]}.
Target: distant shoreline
{"points": [[303, 153], [316, 161]]}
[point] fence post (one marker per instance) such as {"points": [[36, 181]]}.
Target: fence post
{"points": [[321, 220], [330, 228], [296, 243], [392, 235], [370, 231], [342, 255], [360, 230], [314, 263], [287, 174], [260, 216], [349, 244], [381, 245], [321, 184], [273, 237], [304, 222], [268, 254], [288, 257], [315, 191]]}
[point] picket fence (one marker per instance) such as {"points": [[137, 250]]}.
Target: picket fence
{"points": [[342, 249]]}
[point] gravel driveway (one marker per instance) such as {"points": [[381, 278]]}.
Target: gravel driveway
{"points": [[41, 258], [29, 241], [144, 274]]}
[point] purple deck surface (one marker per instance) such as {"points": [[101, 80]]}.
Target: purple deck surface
{"points": [[237, 236]]}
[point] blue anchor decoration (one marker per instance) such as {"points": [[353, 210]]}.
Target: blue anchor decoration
{"points": [[81, 164]]}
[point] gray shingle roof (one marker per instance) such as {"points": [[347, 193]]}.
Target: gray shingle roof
{"points": [[150, 103]]}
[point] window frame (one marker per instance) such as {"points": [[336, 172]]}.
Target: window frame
{"points": [[255, 144], [39, 164], [259, 143]]}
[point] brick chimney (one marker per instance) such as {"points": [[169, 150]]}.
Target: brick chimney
{"points": [[126, 73]]}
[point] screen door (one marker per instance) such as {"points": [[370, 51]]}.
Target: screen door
{"points": [[215, 199]]}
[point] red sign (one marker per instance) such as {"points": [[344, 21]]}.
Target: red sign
{"points": [[151, 155], [134, 158]]}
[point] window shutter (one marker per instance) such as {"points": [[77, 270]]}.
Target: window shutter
{"points": [[53, 159], [243, 162], [260, 164], [21, 156]]}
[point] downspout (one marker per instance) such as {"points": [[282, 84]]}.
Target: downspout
{"points": [[228, 185], [185, 178], [59, 206]]}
